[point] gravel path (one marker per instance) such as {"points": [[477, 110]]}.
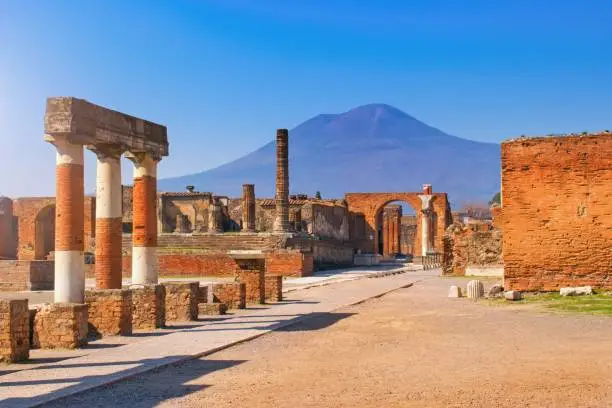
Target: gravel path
{"points": [[413, 347]]}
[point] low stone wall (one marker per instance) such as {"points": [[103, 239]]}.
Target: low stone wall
{"points": [[26, 275], [325, 252], [14, 331], [274, 288], [231, 294], [110, 312], [181, 301], [255, 285], [148, 307], [474, 246], [60, 325], [290, 263]]}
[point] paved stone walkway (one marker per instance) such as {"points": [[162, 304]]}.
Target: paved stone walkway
{"points": [[54, 375]]}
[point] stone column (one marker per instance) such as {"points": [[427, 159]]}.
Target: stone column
{"points": [[281, 221], [144, 219], [69, 223], [425, 218], [109, 223], [214, 217], [248, 207], [386, 236], [393, 233]]}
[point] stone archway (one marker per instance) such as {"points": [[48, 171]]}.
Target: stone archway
{"points": [[437, 214], [44, 232]]}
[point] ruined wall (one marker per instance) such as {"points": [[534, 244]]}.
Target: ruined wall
{"points": [[471, 245], [408, 229], [8, 239], [557, 211], [17, 275], [326, 221]]}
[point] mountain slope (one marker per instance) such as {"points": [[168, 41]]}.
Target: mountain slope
{"points": [[370, 148]]}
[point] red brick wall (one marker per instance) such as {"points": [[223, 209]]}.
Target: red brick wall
{"points": [[26, 275], [289, 263], [557, 212]]}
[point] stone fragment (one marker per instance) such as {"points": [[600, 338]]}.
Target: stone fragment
{"points": [[181, 301], [148, 306], [110, 312], [212, 308], [513, 295], [576, 291], [496, 290], [475, 289], [454, 292]]}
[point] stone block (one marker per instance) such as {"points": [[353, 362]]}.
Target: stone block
{"points": [[454, 292], [181, 301], [110, 312], [475, 289], [495, 290], [14, 331], [274, 288], [212, 308], [576, 291], [148, 307], [231, 294], [513, 295], [60, 325], [255, 285]]}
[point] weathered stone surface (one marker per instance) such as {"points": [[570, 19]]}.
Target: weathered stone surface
{"points": [[110, 312], [60, 325], [14, 331], [495, 290], [471, 245], [181, 301], [513, 295], [274, 288], [148, 307], [475, 289], [557, 212], [576, 291], [212, 308], [231, 294], [255, 285], [202, 294], [454, 292]]}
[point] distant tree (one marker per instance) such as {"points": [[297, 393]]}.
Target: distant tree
{"points": [[318, 195], [496, 199]]}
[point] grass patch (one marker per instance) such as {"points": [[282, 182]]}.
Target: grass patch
{"points": [[598, 304]]}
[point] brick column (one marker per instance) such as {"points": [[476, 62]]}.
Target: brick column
{"points": [[144, 219], [248, 207], [108, 220], [69, 223], [393, 233], [214, 217], [385, 233], [281, 222], [297, 220]]}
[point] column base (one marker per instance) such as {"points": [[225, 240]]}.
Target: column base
{"points": [[60, 325], [14, 331], [148, 307], [110, 312], [181, 301]]}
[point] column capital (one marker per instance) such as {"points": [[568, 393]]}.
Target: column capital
{"points": [[144, 164], [106, 151]]}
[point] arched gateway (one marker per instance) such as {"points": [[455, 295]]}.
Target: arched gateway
{"points": [[432, 211]]}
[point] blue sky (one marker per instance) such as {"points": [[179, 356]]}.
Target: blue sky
{"points": [[224, 74]]}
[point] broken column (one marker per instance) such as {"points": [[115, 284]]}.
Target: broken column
{"points": [[248, 207], [144, 219], [215, 216], [426, 214], [69, 221], [281, 221], [386, 233], [297, 220], [109, 224]]}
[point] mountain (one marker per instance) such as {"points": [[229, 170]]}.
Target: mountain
{"points": [[370, 148]]}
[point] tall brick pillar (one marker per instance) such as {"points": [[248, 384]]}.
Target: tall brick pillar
{"points": [[215, 216], [281, 222], [426, 215], [69, 223], [109, 225], [386, 233], [248, 207], [7, 238], [144, 219]]}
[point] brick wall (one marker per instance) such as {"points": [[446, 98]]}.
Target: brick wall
{"points": [[289, 263], [26, 275], [14, 331], [557, 212], [471, 245]]}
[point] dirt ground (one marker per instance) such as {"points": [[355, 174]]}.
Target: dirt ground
{"points": [[411, 348]]}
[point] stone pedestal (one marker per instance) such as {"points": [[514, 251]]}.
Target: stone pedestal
{"points": [[274, 288], [231, 294], [60, 325], [212, 308], [181, 301], [148, 307], [255, 285], [110, 312], [14, 331]]}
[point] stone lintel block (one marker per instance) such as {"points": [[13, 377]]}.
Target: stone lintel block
{"points": [[14, 331], [233, 294], [110, 312], [148, 306], [255, 285], [60, 325], [181, 301], [212, 308], [274, 288]]}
